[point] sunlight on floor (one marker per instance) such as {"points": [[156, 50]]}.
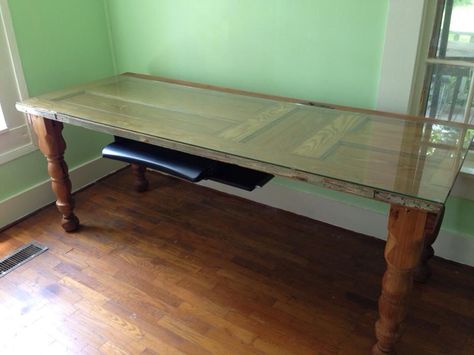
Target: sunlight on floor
{"points": [[37, 323]]}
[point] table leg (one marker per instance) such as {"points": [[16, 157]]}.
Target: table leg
{"points": [[402, 253], [433, 225], [141, 183], [52, 145]]}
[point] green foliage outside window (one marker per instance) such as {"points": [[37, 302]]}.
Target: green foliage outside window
{"points": [[463, 2]]}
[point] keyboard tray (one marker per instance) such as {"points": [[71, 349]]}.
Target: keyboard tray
{"points": [[183, 165]]}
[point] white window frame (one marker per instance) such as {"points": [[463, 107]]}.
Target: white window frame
{"points": [[407, 24], [407, 39], [426, 60], [429, 16], [16, 140], [405, 58]]}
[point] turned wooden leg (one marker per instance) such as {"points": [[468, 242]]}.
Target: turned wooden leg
{"points": [[52, 145], [433, 225], [141, 183], [402, 252]]}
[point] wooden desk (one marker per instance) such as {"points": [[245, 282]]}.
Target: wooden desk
{"points": [[408, 162]]}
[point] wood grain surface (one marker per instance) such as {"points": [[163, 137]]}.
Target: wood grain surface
{"points": [[414, 162], [182, 269]]}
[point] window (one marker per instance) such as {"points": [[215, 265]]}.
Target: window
{"points": [[3, 124], [15, 138], [448, 88]]}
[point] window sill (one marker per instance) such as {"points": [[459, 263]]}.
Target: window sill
{"points": [[468, 165], [463, 187], [14, 143], [17, 153], [467, 170]]}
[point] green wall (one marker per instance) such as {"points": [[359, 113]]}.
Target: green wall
{"points": [[327, 50], [61, 43], [458, 217]]}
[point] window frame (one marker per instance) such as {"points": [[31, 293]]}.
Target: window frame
{"points": [[17, 139], [404, 34], [433, 14]]}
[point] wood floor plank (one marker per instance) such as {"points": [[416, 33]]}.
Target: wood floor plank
{"points": [[182, 269]]}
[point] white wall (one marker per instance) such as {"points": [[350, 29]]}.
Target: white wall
{"points": [[404, 28]]}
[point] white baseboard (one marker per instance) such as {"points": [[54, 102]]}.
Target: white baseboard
{"points": [[449, 245], [40, 195]]}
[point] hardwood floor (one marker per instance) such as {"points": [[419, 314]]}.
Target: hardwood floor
{"points": [[184, 269]]}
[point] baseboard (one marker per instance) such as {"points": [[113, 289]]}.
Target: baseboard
{"points": [[455, 246], [449, 245], [28, 201]]}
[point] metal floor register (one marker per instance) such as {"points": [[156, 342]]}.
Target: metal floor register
{"points": [[21, 256]]}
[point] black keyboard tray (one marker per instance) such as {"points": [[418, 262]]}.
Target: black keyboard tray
{"points": [[183, 165]]}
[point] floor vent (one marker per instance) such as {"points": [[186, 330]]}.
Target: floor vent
{"points": [[20, 256]]}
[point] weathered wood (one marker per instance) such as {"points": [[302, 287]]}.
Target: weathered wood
{"points": [[402, 253], [328, 138], [281, 137], [248, 128], [140, 184], [289, 99], [52, 145]]}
